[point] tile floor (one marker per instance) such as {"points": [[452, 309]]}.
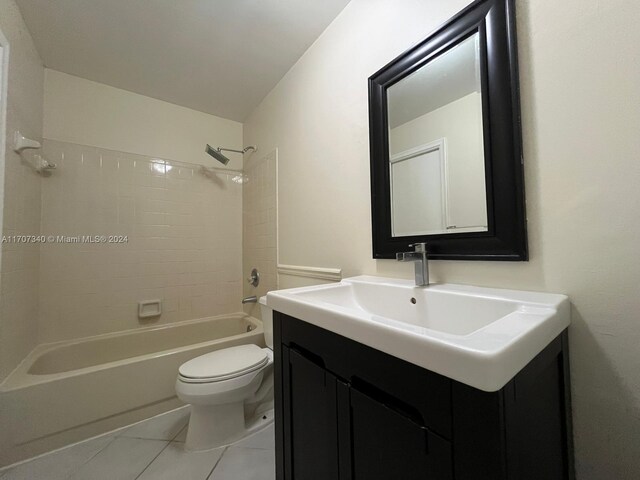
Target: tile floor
{"points": [[153, 450]]}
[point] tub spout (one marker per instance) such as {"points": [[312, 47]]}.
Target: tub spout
{"points": [[251, 299]]}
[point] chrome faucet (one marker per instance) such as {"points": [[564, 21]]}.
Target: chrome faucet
{"points": [[251, 299], [421, 259]]}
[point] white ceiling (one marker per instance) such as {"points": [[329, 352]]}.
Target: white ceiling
{"points": [[216, 56], [447, 78]]}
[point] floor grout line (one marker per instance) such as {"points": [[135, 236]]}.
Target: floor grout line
{"points": [[155, 439], [154, 458], [173, 439], [121, 435], [8, 468], [82, 464], [121, 431], [216, 464]]}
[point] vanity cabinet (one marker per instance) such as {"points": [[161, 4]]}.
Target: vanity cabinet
{"points": [[345, 411]]}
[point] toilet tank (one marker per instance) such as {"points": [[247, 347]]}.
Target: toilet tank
{"points": [[267, 322]]}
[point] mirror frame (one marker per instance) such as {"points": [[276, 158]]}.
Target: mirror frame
{"points": [[506, 237]]}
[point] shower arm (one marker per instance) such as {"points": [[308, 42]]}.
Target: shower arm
{"points": [[244, 150]]}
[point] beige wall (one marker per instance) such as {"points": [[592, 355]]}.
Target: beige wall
{"points": [[90, 113], [184, 242], [259, 229], [580, 97], [19, 282]]}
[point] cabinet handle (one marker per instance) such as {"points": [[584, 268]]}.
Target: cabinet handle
{"points": [[309, 356], [425, 432], [389, 401], [395, 411]]}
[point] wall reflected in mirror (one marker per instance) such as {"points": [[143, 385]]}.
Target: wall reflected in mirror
{"points": [[436, 146]]}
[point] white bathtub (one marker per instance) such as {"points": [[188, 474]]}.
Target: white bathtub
{"points": [[68, 391]]}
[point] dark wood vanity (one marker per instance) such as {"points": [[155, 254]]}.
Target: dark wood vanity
{"points": [[349, 412]]}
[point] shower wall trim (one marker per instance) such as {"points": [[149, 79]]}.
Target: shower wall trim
{"points": [[160, 160], [320, 273]]}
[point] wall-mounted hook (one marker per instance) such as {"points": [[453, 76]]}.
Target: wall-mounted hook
{"points": [[20, 143], [37, 162]]}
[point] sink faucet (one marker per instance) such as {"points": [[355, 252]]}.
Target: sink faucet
{"points": [[420, 257]]}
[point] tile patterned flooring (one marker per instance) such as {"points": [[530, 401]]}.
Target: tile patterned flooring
{"points": [[153, 450]]}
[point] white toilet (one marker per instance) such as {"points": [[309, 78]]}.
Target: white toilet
{"points": [[230, 391]]}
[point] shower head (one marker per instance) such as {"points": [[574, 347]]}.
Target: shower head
{"points": [[218, 155]]}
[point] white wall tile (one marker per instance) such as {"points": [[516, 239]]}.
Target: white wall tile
{"points": [[184, 242], [259, 226]]}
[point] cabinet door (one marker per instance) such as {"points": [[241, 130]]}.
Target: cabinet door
{"points": [[387, 445], [310, 430]]}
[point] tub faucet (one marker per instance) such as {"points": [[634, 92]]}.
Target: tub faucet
{"points": [[251, 299], [420, 257]]}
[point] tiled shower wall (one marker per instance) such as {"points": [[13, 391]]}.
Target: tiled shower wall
{"points": [[183, 230], [260, 225]]}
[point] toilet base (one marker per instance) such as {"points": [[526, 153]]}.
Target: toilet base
{"points": [[222, 425], [259, 422]]}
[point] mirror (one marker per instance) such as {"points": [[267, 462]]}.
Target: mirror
{"points": [[445, 141], [436, 151]]}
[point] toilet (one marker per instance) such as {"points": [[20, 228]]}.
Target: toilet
{"points": [[230, 391]]}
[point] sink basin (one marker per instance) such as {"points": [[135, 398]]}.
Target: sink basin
{"points": [[478, 336]]}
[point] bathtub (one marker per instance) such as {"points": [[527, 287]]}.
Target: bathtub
{"points": [[68, 391]]}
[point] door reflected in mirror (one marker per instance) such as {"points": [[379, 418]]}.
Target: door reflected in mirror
{"points": [[436, 146]]}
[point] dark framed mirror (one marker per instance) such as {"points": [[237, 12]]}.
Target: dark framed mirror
{"points": [[445, 141]]}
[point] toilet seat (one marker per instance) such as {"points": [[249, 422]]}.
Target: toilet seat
{"points": [[224, 364]]}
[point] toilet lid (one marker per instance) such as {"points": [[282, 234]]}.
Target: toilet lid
{"points": [[224, 364]]}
